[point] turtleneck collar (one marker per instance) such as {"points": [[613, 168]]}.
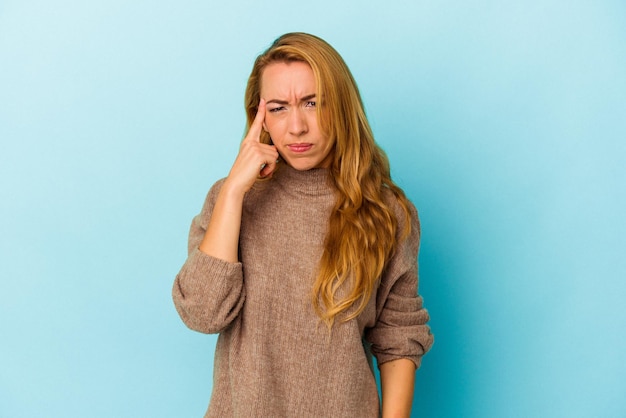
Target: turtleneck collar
{"points": [[315, 181]]}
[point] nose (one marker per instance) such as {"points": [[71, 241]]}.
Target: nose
{"points": [[297, 122]]}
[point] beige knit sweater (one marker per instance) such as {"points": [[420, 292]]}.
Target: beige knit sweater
{"points": [[273, 357]]}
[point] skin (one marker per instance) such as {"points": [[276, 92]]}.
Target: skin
{"points": [[397, 382], [287, 111], [291, 116]]}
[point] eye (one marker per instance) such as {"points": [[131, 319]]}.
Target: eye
{"points": [[311, 103], [276, 109]]}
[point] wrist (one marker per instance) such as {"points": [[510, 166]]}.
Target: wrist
{"points": [[232, 190]]}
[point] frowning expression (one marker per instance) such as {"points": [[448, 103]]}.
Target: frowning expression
{"points": [[289, 89]]}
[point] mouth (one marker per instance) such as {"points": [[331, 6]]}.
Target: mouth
{"points": [[299, 148]]}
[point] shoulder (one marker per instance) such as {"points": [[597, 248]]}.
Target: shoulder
{"points": [[212, 194], [404, 211], [209, 202], [258, 189]]}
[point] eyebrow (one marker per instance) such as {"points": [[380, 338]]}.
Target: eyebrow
{"points": [[284, 102]]}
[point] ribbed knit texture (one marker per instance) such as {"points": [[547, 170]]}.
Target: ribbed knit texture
{"points": [[274, 358]]}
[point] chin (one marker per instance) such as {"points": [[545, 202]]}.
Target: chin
{"points": [[301, 165]]}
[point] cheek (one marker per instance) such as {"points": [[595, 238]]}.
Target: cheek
{"points": [[315, 127], [272, 127], [315, 124]]}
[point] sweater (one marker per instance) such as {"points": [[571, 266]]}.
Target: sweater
{"points": [[274, 357]]}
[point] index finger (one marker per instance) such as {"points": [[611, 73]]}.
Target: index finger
{"points": [[257, 124]]}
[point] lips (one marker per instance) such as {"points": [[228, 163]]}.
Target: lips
{"points": [[298, 148]]}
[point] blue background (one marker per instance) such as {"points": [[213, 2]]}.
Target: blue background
{"points": [[504, 122]]}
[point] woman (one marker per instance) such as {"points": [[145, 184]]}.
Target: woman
{"points": [[304, 259]]}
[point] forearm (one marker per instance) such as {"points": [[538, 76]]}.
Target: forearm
{"points": [[397, 379], [221, 239]]}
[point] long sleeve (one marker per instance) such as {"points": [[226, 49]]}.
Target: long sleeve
{"points": [[400, 330], [208, 292]]}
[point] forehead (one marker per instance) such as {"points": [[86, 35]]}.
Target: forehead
{"points": [[287, 79]]}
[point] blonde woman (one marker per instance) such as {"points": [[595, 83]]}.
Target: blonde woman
{"points": [[304, 258]]}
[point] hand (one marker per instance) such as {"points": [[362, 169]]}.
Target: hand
{"points": [[255, 158]]}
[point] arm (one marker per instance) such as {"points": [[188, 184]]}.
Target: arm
{"points": [[208, 291], [401, 335], [397, 379], [221, 239]]}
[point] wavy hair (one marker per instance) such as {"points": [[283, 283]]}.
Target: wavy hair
{"points": [[363, 228]]}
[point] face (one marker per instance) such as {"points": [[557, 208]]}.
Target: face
{"points": [[289, 89]]}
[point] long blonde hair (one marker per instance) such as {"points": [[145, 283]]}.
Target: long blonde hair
{"points": [[362, 230]]}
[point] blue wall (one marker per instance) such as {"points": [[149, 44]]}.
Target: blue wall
{"points": [[504, 122]]}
